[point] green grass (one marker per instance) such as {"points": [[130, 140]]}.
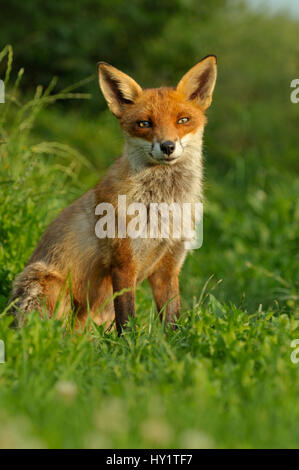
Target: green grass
{"points": [[224, 378]]}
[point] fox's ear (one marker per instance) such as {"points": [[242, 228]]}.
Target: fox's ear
{"points": [[118, 88], [198, 84]]}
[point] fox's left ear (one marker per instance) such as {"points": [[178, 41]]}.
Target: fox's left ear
{"points": [[198, 84], [118, 88]]}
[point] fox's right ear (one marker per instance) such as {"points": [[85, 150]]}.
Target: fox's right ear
{"points": [[118, 88], [198, 84]]}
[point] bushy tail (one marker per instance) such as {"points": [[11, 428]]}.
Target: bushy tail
{"points": [[29, 290]]}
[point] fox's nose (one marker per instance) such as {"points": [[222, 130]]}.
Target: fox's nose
{"points": [[167, 147]]}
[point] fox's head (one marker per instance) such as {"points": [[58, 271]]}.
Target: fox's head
{"points": [[161, 125]]}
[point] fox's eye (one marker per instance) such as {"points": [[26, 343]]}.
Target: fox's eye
{"points": [[183, 120], [144, 124]]}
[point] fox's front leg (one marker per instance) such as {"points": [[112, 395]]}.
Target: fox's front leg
{"points": [[165, 287], [165, 284], [123, 277]]}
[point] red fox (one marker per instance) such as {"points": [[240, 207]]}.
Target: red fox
{"points": [[161, 162]]}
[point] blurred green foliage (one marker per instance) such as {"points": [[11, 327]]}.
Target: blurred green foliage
{"points": [[157, 42], [68, 38]]}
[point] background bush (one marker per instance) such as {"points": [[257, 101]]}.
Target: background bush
{"points": [[68, 38]]}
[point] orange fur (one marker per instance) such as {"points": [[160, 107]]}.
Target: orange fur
{"points": [[165, 106]]}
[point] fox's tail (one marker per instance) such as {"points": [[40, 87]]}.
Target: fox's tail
{"points": [[37, 286]]}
